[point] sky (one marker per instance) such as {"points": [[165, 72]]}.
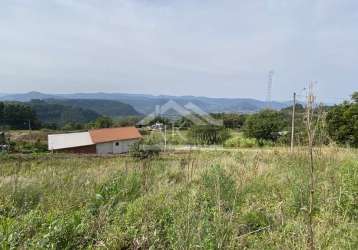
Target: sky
{"points": [[215, 48]]}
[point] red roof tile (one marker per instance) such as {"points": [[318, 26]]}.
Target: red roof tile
{"points": [[114, 134]]}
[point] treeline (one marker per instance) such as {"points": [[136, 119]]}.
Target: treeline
{"points": [[39, 114], [338, 124], [64, 114], [17, 116], [108, 108], [53, 115], [342, 122], [333, 124]]}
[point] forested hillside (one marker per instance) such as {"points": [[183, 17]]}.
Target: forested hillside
{"points": [[56, 113], [52, 113], [17, 116], [37, 114], [102, 107]]}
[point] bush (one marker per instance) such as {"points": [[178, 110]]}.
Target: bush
{"points": [[215, 180], [256, 220], [20, 201], [154, 138], [102, 122], [240, 142], [141, 151], [123, 187], [177, 139], [208, 134], [342, 123], [28, 147], [265, 125], [66, 232], [348, 205]]}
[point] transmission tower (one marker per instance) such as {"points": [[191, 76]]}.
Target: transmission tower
{"points": [[269, 89]]}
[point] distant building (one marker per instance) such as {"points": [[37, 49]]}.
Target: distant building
{"points": [[157, 126], [97, 141]]}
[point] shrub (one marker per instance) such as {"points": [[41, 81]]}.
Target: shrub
{"points": [[177, 139], [103, 122], [154, 138], [20, 201], [141, 151], [29, 147], [208, 134], [240, 142], [255, 220], [216, 183], [348, 204], [342, 123], [265, 125], [66, 232], [121, 188]]}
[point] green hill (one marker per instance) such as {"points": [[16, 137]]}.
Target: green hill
{"points": [[52, 113], [102, 107]]}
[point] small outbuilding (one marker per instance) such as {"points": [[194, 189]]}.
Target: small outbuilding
{"points": [[97, 141]]}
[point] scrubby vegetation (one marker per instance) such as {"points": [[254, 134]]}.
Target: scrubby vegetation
{"points": [[337, 124], [342, 122], [253, 199], [208, 135]]}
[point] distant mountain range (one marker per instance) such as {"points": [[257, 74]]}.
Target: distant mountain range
{"points": [[144, 104]]}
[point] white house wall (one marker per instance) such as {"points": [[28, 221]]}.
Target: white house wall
{"points": [[104, 148], [113, 148], [123, 146]]}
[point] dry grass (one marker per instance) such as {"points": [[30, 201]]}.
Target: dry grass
{"points": [[193, 200]]}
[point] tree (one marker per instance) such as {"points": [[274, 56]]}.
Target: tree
{"points": [[127, 121], [235, 121], [342, 122], [355, 97], [184, 122], [73, 126], [208, 134], [49, 112], [265, 125], [18, 116], [103, 122], [2, 107]]}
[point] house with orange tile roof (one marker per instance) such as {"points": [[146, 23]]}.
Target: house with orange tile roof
{"points": [[96, 141]]}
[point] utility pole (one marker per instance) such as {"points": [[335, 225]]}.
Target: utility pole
{"points": [[293, 121]]}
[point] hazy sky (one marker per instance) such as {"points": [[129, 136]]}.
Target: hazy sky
{"points": [[220, 48]]}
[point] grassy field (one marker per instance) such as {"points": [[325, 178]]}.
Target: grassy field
{"points": [[253, 199]]}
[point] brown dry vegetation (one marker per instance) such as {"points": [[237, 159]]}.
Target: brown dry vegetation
{"points": [[255, 199]]}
